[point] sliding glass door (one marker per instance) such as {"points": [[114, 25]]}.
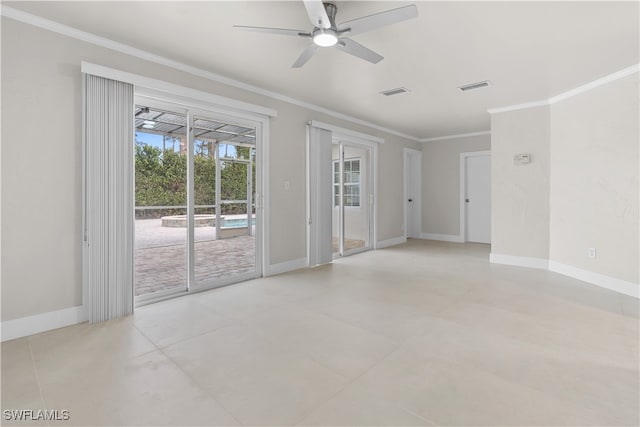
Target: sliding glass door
{"points": [[352, 190], [196, 179], [224, 177], [161, 245]]}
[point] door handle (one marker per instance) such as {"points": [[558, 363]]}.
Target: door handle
{"points": [[411, 200], [466, 200]]}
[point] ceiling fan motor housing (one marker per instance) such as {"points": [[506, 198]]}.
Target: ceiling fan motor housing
{"points": [[331, 13]]}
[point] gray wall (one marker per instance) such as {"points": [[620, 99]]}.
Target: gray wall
{"points": [[520, 193], [594, 179], [41, 166], [581, 189], [441, 182]]}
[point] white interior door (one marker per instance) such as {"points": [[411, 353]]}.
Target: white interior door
{"points": [[478, 198], [412, 181]]}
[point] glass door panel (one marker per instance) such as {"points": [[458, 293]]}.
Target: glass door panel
{"points": [[225, 248], [351, 223], [336, 217], [160, 201], [356, 199]]}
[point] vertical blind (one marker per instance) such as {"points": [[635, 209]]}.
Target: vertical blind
{"points": [[108, 197], [321, 196]]}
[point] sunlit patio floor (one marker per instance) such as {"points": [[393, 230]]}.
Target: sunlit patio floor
{"points": [[161, 256]]}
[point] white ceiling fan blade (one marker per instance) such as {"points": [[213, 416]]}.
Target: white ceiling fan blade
{"points": [[305, 56], [372, 22], [281, 31], [351, 47], [317, 13]]}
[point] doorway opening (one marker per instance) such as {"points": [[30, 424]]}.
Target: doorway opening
{"points": [[196, 175], [352, 204]]}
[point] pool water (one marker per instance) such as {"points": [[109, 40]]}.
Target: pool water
{"points": [[237, 223]]}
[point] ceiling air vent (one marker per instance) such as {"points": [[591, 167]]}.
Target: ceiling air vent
{"points": [[473, 86], [395, 91]]}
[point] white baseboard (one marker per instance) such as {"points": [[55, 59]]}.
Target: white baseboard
{"points": [[25, 326], [442, 237], [519, 261], [391, 242], [283, 267], [608, 282]]}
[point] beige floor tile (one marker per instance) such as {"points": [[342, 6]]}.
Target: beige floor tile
{"points": [[146, 390], [395, 321], [425, 332], [20, 388], [630, 307], [599, 343], [247, 299], [450, 394], [175, 320], [576, 380], [357, 406], [63, 354], [26, 413], [280, 395], [343, 348], [259, 380], [213, 358]]}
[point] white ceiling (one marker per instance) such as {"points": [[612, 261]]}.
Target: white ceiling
{"points": [[528, 50]]}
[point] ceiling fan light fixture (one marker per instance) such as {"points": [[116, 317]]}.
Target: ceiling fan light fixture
{"points": [[325, 38]]}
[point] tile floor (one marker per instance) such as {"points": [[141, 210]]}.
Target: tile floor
{"points": [[424, 333]]}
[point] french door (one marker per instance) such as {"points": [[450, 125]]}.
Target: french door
{"points": [[197, 173], [352, 197]]}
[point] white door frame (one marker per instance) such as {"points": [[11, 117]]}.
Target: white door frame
{"points": [[418, 198], [261, 125], [352, 137], [369, 199], [463, 189]]}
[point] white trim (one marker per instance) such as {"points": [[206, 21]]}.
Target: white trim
{"points": [[519, 261], [261, 187], [374, 170], [391, 242], [347, 134], [607, 282], [25, 326], [463, 189], [173, 90], [523, 106], [617, 285], [65, 30], [573, 92], [263, 195], [594, 84], [418, 153], [442, 237], [283, 267], [455, 136]]}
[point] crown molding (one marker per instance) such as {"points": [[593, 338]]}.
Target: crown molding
{"points": [[37, 21], [573, 92], [596, 83], [526, 105], [456, 136]]}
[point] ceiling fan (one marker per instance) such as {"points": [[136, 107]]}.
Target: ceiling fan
{"points": [[326, 33]]}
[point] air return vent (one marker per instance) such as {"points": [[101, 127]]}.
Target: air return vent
{"points": [[474, 86], [395, 91]]}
